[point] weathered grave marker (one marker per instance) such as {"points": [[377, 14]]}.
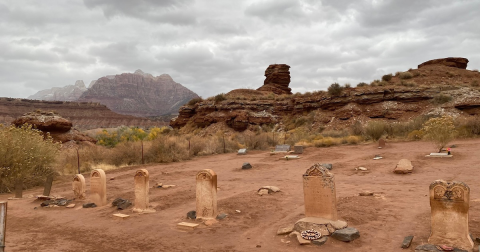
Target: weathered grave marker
{"points": [[449, 202], [381, 143], [282, 148], [298, 149], [403, 166], [242, 152], [98, 187], [319, 193], [141, 190], [79, 187], [206, 192], [48, 185]]}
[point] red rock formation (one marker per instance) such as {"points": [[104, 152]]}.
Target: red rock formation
{"points": [[84, 115], [48, 122], [277, 79], [450, 62], [139, 94]]}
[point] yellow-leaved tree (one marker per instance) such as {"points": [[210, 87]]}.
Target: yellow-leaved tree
{"points": [[440, 131], [25, 153]]}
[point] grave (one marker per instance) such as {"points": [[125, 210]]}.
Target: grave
{"points": [[298, 149], [319, 193], [449, 202], [435, 154], [404, 166], [141, 190], [98, 187], [282, 148], [206, 194], [79, 187], [242, 152], [381, 143]]}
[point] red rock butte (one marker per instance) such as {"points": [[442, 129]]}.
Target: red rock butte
{"points": [[277, 79], [450, 62]]}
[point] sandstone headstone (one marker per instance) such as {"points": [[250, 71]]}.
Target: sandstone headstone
{"points": [[206, 192], [298, 149], [449, 202], [403, 166], [98, 187], [381, 143], [319, 193], [141, 190], [79, 187]]}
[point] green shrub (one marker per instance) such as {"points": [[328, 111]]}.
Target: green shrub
{"points": [[405, 75], [347, 85], [441, 99], [194, 101], [387, 77], [440, 131], [335, 89], [375, 129], [362, 84], [220, 97]]}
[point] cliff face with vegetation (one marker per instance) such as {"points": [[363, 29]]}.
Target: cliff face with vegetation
{"points": [[435, 88], [83, 115]]}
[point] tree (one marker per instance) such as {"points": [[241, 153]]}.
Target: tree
{"points": [[25, 153], [439, 130]]}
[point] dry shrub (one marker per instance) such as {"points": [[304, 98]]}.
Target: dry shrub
{"points": [[353, 139], [362, 84], [415, 135], [357, 128], [335, 133], [375, 129], [326, 142], [167, 149], [405, 75], [475, 83], [387, 77], [439, 130], [194, 101], [128, 153], [441, 99], [335, 89]]}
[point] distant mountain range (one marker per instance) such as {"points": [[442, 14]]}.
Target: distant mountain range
{"points": [[138, 94]]}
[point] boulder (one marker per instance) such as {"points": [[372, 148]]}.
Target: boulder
{"points": [[346, 234], [404, 166], [450, 62], [246, 166]]}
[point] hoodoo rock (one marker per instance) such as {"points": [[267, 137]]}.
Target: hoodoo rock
{"points": [[58, 127], [277, 79], [450, 62]]}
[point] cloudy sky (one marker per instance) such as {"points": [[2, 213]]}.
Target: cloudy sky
{"points": [[214, 46]]}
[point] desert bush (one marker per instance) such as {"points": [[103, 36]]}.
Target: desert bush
{"points": [[405, 75], [415, 135], [468, 127], [353, 139], [408, 83], [375, 129], [326, 142], [27, 157], [335, 133], [220, 97], [362, 84], [475, 83], [194, 101], [335, 89], [357, 128], [441, 99], [387, 77], [440, 131], [347, 85], [166, 149], [382, 83]]}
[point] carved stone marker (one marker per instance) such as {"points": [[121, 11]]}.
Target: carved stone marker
{"points": [[206, 194], [282, 148], [98, 187], [242, 152], [298, 149], [141, 190], [79, 187], [319, 193], [381, 143], [449, 202]]}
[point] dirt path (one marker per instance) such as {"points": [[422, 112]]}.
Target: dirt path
{"points": [[400, 206]]}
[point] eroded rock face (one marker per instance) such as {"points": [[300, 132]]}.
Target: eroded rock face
{"points": [[67, 93], [277, 79], [59, 128], [450, 62], [139, 94]]}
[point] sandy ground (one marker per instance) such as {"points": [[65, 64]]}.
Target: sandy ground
{"points": [[399, 208]]}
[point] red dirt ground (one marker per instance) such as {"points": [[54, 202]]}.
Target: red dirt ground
{"points": [[399, 208]]}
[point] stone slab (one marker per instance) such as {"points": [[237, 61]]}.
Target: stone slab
{"points": [[320, 241], [122, 216], [312, 222], [407, 241], [439, 156], [242, 152], [282, 148], [298, 149], [285, 230], [289, 157], [433, 248], [404, 166], [187, 225], [346, 235]]}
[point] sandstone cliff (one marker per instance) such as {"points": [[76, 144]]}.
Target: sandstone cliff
{"points": [[277, 79], [139, 94], [400, 99], [84, 115], [67, 93]]}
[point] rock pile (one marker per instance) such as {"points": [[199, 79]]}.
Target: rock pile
{"points": [[450, 62], [277, 79]]}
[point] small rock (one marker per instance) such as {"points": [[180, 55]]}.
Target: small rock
{"points": [[70, 206], [45, 203], [89, 205], [270, 188], [285, 230], [62, 202], [366, 193], [210, 222], [158, 185], [112, 178], [299, 238], [121, 204], [192, 215], [362, 168], [433, 248], [259, 246], [328, 166], [347, 234], [320, 241], [222, 216], [168, 186], [242, 152], [246, 166], [262, 192], [407, 241], [238, 211]]}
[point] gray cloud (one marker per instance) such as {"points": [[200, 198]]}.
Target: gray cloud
{"points": [[215, 46]]}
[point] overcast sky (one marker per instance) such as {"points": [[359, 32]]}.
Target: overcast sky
{"points": [[214, 46]]}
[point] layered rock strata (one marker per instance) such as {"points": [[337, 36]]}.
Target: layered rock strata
{"points": [[450, 62], [277, 79]]}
